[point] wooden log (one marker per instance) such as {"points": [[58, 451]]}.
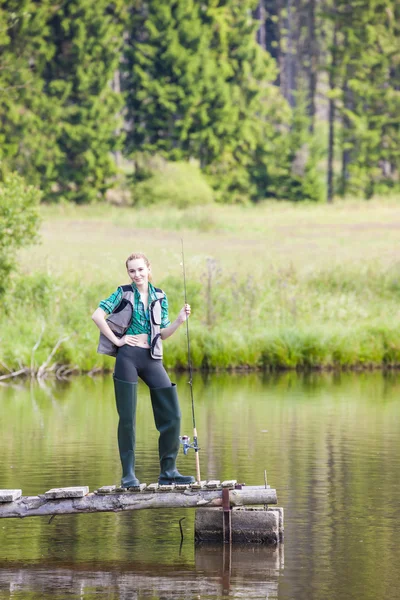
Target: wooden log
{"points": [[36, 506]]}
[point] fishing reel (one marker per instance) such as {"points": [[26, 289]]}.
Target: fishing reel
{"points": [[185, 441]]}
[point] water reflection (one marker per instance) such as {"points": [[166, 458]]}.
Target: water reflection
{"points": [[219, 571], [330, 444]]}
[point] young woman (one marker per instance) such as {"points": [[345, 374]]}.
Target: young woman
{"points": [[133, 332]]}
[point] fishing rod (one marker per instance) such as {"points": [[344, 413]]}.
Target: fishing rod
{"points": [[184, 439]]}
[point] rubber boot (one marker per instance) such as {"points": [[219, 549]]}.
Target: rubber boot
{"points": [[167, 417], [126, 398]]}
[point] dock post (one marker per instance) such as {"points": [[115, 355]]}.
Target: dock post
{"points": [[227, 517]]}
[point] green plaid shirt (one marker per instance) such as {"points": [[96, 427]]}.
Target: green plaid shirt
{"points": [[141, 318]]}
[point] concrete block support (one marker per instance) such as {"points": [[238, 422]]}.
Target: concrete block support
{"points": [[248, 525]]}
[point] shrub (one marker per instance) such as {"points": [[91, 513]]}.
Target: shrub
{"points": [[19, 222], [179, 184]]}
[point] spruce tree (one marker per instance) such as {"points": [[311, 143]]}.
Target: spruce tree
{"points": [[26, 144], [59, 114], [198, 86], [166, 55], [365, 49], [246, 160], [86, 38]]}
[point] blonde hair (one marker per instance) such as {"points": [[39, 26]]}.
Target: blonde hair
{"points": [[137, 255]]}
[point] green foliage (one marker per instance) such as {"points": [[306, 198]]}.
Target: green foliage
{"points": [[27, 140], [198, 87], [333, 318], [58, 111], [192, 83], [292, 172], [366, 76], [19, 222], [253, 109], [178, 184], [313, 300], [86, 36], [166, 56]]}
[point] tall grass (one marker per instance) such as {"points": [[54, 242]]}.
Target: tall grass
{"points": [[271, 287]]}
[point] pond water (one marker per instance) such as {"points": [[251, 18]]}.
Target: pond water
{"points": [[330, 444]]}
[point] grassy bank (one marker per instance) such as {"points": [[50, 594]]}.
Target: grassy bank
{"points": [[271, 286]]}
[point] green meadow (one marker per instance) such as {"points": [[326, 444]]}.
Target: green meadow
{"points": [[272, 286]]}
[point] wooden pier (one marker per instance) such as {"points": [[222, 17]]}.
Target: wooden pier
{"points": [[220, 500]]}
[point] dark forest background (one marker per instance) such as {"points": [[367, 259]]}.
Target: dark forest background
{"points": [[292, 99]]}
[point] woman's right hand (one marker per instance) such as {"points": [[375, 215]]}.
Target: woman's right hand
{"points": [[130, 340], [121, 341]]}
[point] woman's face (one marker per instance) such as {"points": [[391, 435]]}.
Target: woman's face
{"points": [[138, 271]]}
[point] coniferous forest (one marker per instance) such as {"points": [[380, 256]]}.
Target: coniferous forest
{"points": [[294, 99]]}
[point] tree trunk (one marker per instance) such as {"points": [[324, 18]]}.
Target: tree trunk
{"points": [[287, 59], [36, 506], [260, 15], [331, 141], [116, 87], [312, 66], [271, 11]]}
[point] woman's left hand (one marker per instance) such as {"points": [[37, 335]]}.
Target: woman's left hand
{"points": [[184, 313]]}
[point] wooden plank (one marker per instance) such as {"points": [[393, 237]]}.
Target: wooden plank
{"points": [[40, 506], [230, 483], [183, 486], [130, 490], [198, 485], [213, 483], [137, 489], [10, 495], [106, 489], [153, 487], [165, 488], [68, 492]]}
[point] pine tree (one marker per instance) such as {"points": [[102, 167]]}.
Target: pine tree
{"points": [[165, 61], [256, 110], [365, 48], [26, 144], [58, 111], [292, 33], [198, 86], [86, 37]]}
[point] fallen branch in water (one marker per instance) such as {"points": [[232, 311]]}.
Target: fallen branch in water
{"points": [[95, 370], [3, 364], [43, 367], [61, 371], [23, 371], [35, 347]]}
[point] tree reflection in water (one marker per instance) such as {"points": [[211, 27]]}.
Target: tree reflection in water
{"points": [[219, 571]]}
